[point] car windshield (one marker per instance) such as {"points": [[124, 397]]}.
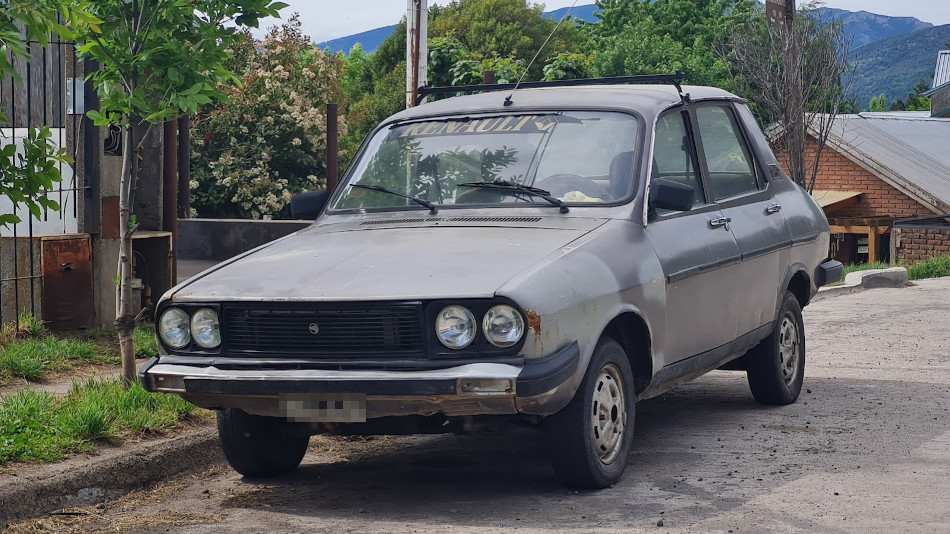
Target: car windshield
{"points": [[578, 158]]}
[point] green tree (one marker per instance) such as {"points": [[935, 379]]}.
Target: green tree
{"points": [[503, 28], [381, 90], [878, 103], [358, 78], [916, 102], [568, 66], [25, 177], [158, 59], [643, 37]]}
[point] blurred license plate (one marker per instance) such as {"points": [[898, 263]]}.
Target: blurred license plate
{"points": [[324, 407]]}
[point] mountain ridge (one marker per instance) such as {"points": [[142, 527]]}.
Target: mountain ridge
{"points": [[864, 27], [892, 66]]}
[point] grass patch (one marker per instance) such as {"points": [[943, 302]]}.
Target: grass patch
{"points": [[850, 268], [33, 358], [28, 351], [934, 267], [39, 427], [145, 344]]}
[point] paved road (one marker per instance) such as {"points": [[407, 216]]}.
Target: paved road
{"points": [[865, 449]]}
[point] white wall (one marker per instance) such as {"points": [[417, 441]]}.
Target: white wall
{"points": [[55, 222]]}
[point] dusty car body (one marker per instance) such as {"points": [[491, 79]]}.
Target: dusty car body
{"points": [[681, 247]]}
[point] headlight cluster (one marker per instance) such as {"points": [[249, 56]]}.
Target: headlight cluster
{"points": [[177, 329], [456, 326]]}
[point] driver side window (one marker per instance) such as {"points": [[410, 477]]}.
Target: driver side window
{"points": [[674, 157]]}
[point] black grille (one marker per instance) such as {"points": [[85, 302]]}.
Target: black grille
{"points": [[274, 331]]}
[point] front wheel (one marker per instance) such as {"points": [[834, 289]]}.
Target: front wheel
{"points": [[590, 438], [776, 366], [258, 446]]}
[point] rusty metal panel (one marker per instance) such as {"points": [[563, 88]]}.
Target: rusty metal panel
{"points": [[67, 283], [110, 217]]}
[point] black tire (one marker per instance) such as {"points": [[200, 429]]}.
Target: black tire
{"points": [[583, 454], [776, 366], [258, 446]]}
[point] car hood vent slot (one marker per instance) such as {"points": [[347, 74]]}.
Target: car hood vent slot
{"points": [[400, 221], [380, 222], [495, 219]]}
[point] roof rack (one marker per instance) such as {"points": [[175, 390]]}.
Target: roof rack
{"points": [[672, 79]]}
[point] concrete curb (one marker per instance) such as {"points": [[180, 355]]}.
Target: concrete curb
{"points": [[870, 279], [83, 480]]}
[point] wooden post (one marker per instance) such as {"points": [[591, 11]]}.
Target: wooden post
{"points": [[184, 167], [872, 244], [895, 243], [333, 162], [170, 188]]}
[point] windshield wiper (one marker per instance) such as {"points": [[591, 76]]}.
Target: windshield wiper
{"points": [[521, 189], [417, 200]]}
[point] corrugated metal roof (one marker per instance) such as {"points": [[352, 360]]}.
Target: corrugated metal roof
{"points": [[826, 198], [910, 152], [942, 72]]}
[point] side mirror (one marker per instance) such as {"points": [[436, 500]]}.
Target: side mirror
{"points": [[670, 195], [308, 205]]}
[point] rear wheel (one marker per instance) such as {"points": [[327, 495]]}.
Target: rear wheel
{"points": [[590, 438], [776, 366], [258, 446]]}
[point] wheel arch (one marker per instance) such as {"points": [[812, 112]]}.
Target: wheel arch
{"points": [[633, 333], [800, 285]]}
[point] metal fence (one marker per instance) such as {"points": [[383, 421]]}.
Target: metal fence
{"points": [[49, 92]]}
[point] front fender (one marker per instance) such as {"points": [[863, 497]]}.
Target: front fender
{"points": [[577, 293]]}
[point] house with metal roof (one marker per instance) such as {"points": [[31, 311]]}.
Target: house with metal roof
{"points": [[939, 94], [878, 168]]}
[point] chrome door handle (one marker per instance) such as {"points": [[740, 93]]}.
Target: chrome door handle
{"points": [[774, 208], [721, 221]]}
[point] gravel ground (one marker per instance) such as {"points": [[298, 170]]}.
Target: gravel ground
{"points": [[865, 449]]}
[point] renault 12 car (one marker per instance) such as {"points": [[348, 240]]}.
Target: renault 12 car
{"points": [[551, 254]]}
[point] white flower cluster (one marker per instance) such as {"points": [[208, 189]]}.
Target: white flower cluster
{"points": [[267, 141]]}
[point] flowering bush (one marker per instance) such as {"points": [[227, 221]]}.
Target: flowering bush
{"points": [[267, 139]]}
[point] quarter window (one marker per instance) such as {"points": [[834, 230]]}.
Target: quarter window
{"points": [[728, 158]]}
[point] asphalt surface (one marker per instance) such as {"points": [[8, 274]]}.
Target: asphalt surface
{"points": [[865, 449]]}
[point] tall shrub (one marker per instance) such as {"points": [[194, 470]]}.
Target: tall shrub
{"points": [[266, 140]]}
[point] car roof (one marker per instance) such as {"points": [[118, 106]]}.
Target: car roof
{"points": [[647, 100]]}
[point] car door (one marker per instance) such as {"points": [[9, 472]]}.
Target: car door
{"points": [[699, 256], [737, 185]]}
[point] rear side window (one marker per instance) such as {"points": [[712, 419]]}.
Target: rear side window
{"points": [[728, 158]]}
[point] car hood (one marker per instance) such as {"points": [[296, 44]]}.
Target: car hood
{"points": [[429, 262]]}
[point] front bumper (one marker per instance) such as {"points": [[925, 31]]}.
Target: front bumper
{"points": [[471, 389]]}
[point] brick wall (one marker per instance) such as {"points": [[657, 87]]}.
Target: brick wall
{"points": [[917, 245], [878, 199]]}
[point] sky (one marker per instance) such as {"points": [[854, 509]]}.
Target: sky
{"points": [[328, 19]]}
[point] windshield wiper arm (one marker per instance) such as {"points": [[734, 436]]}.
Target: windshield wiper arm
{"points": [[417, 200], [519, 188]]}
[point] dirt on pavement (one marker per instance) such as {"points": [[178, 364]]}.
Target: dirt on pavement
{"points": [[865, 449]]}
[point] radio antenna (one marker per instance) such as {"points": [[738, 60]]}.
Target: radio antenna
{"points": [[538, 53]]}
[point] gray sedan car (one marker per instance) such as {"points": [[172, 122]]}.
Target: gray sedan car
{"points": [[551, 254]]}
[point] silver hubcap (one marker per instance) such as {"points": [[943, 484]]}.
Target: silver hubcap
{"points": [[789, 349], [609, 418]]}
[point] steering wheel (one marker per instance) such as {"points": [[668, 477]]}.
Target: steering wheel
{"points": [[561, 184]]}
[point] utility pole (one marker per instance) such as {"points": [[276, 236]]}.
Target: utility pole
{"points": [[417, 53]]}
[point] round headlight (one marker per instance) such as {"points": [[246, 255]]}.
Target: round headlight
{"points": [[173, 328], [455, 326], [503, 326], [205, 328]]}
